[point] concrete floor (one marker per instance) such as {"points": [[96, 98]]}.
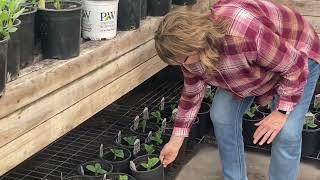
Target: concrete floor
{"points": [[205, 165]]}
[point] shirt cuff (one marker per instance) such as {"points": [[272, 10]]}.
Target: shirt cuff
{"points": [[285, 105], [180, 132]]}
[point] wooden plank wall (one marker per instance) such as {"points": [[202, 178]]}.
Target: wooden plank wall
{"points": [[52, 97]]}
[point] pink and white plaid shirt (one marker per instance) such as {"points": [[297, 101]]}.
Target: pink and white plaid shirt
{"points": [[265, 52]]}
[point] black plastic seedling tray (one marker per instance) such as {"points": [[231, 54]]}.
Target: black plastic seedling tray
{"points": [[82, 143]]}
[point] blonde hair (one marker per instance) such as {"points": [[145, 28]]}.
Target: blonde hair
{"points": [[183, 33]]}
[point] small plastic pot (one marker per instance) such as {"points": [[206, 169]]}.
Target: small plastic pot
{"points": [[118, 165], [88, 174], [248, 127], [150, 127], [141, 174], [115, 176], [3, 64], [27, 42], [129, 15], [60, 30], [144, 9], [310, 139], [205, 122], [159, 7], [184, 2], [13, 59]]}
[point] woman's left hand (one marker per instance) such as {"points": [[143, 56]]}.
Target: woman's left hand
{"points": [[269, 127]]}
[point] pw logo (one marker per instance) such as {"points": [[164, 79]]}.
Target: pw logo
{"points": [[105, 16]]}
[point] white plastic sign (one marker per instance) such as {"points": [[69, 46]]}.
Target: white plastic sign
{"points": [[164, 124], [309, 118], [133, 166], [174, 114], [148, 139], [162, 104], [316, 103], [136, 123], [119, 137], [146, 113], [101, 151], [136, 147]]}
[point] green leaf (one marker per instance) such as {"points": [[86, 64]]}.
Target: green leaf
{"points": [[149, 148], [18, 14], [123, 177], [118, 153], [153, 161], [97, 166], [130, 139], [312, 125], [144, 125], [91, 168], [12, 29], [250, 114], [157, 115], [101, 171], [145, 165], [157, 137]]}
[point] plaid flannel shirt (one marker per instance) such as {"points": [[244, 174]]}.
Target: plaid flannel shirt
{"points": [[264, 53]]}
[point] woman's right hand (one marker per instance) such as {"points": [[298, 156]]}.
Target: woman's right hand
{"points": [[170, 150]]}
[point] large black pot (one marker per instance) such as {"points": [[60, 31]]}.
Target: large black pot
{"points": [[141, 174], [248, 127], [115, 176], [159, 7], [3, 64], [13, 59], [60, 30], [310, 139], [205, 122], [27, 28], [184, 2], [129, 15]]}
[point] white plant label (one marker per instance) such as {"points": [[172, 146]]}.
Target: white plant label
{"points": [[316, 103], [105, 177], [162, 104], [101, 151], [146, 113], [174, 114], [148, 139], [81, 170], [309, 118], [208, 91], [136, 123], [164, 125], [133, 166], [119, 137], [136, 147]]}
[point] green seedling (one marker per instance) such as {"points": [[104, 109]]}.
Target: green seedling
{"points": [[173, 106], [157, 137], [149, 148], [96, 169], [57, 4], [309, 121], [151, 163], [9, 12], [117, 153], [123, 177], [251, 112], [157, 115], [210, 95], [130, 140], [42, 4], [144, 125]]}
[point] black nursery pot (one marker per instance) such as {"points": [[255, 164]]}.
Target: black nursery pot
{"points": [[144, 9], [88, 174], [129, 15], [13, 59], [27, 41], [150, 127], [205, 122], [264, 110], [115, 176], [143, 152], [141, 174], [159, 7], [195, 129], [118, 165], [248, 127], [310, 139], [60, 30], [3, 64], [184, 2]]}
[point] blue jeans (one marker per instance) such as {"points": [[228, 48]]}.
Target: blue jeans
{"points": [[226, 114]]}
